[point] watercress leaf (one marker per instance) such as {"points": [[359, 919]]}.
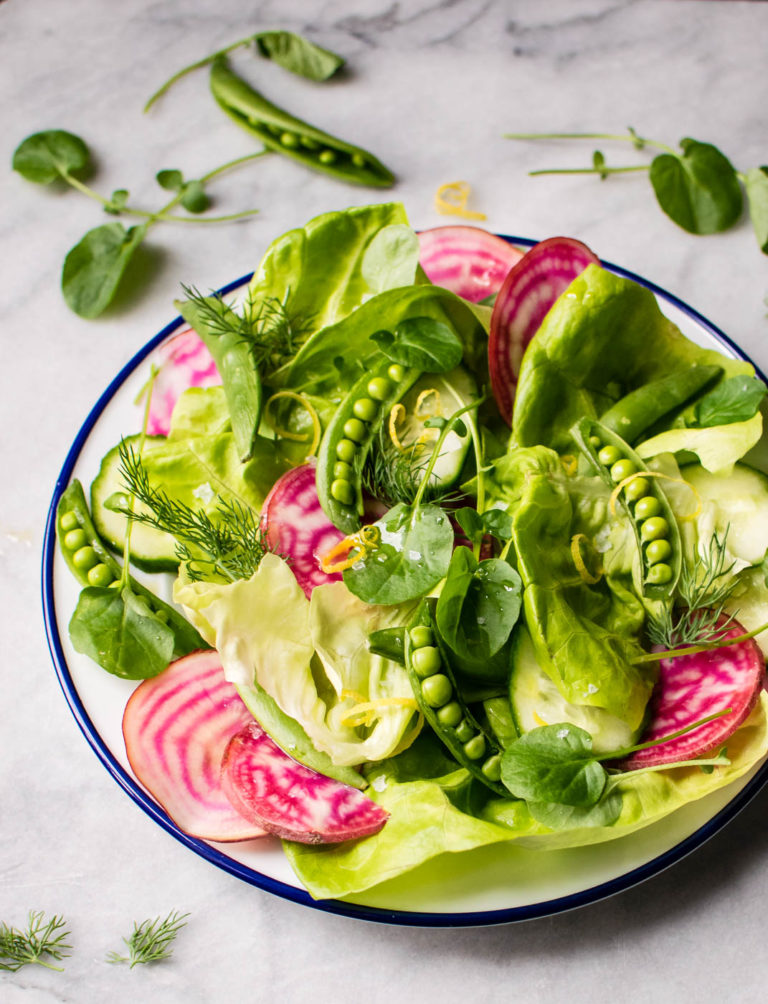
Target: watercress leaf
{"points": [[46, 156], [118, 630], [498, 523], [734, 400], [479, 605], [94, 267], [554, 763], [117, 201], [699, 189], [470, 521], [424, 344], [194, 198], [413, 555], [557, 816], [297, 54], [170, 179], [756, 185]]}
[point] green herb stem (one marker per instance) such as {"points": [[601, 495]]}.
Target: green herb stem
{"points": [[437, 447], [637, 141], [602, 171], [673, 653], [198, 65], [620, 754]]}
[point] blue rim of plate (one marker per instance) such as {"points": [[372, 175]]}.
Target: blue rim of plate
{"points": [[276, 887]]}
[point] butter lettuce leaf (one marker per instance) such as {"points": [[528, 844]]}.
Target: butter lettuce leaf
{"points": [[717, 447]]}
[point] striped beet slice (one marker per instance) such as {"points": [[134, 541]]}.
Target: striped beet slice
{"points": [[524, 300], [184, 362], [176, 727], [294, 525], [290, 800], [469, 261], [691, 687]]}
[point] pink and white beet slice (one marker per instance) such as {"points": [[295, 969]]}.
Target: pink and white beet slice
{"points": [[184, 362], [290, 800], [468, 261], [176, 727]]}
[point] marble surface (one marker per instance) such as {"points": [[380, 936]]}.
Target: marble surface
{"points": [[431, 87]]}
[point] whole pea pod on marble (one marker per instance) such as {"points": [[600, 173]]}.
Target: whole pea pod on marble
{"points": [[348, 438], [638, 493], [90, 561], [284, 133], [439, 698]]}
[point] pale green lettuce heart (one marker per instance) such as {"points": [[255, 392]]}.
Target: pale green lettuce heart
{"points": [[718, 447]]}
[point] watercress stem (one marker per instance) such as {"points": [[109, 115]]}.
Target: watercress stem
{"points": [[633, 138], [673, 653], [436, 450], [199, 64], [620, 754], [602, 171]]}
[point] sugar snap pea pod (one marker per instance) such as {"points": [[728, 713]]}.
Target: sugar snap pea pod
{"points": [[642, 408], [89, 560], [440, 701], [280, 131], [234, 360], [348, 437], [650, 514]]}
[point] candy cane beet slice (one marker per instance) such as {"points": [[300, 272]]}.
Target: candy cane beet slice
{"points": [[184, 362], [294, 525], [691, 687], [469, 261], [290, 800], [176, 727], [524, 300]]}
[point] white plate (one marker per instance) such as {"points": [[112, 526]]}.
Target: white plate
{"points": [[491, 885]]}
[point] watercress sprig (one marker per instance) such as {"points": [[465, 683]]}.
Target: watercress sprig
{"points": [[96, 265], [696, 186]]}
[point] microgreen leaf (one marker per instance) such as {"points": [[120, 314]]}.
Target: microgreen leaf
{"points": [[421, 343], [193, 197], [756, 185], [698, 189], [557, 816], [117, 201], [734, 400], [170, 179], [554, 763], [94, 267], [298, 54], [46, 156], [119, 631], [413, 555]]}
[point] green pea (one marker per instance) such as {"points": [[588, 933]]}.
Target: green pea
{"points": [[437, 690], [595, 442], [421, 635], [345, 450], [658, 550], [396, 372], [308, 143], [289, 139], [659, 575], [450, 714], [623, 469], [653, 528], [68, 521], [379, 388], [426, 661], [162, 615], [327, 157], [85, 558], [608, 455], [343, 491], [492, 767], [354, 429], [464, 731], [636, 489], [475, 747], [99, 575], [343, 470], [75, 539], [358, 160], [365, 409], [646, 507]]}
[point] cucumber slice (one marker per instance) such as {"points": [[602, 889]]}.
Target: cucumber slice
{"points": [[151, 550], [536, 701], [739, 501], [749, 604], [454, 390]]}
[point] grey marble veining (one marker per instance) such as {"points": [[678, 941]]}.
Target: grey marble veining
{"points": [[431, 87]]}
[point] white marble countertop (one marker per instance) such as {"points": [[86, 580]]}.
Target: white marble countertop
{"points": [[431, 88]]}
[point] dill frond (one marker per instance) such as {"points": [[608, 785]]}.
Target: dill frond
{"points": [[40, 941], [151, 940]]}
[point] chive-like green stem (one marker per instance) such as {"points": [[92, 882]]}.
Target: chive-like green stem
{"points": [[637, 141], [620, 754], [602, 171], [436, 450], [673, 653]]}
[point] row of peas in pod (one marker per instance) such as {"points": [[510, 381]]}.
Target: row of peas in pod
{"points": [[650, 514], [441, 703], [348, 438]]}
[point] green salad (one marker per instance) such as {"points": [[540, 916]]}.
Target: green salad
{"points": [[469, 545]]}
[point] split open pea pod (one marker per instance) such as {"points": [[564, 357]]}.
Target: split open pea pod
{"points": [[440, 701], [639, 495], [280, 131], [348, 437]]}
